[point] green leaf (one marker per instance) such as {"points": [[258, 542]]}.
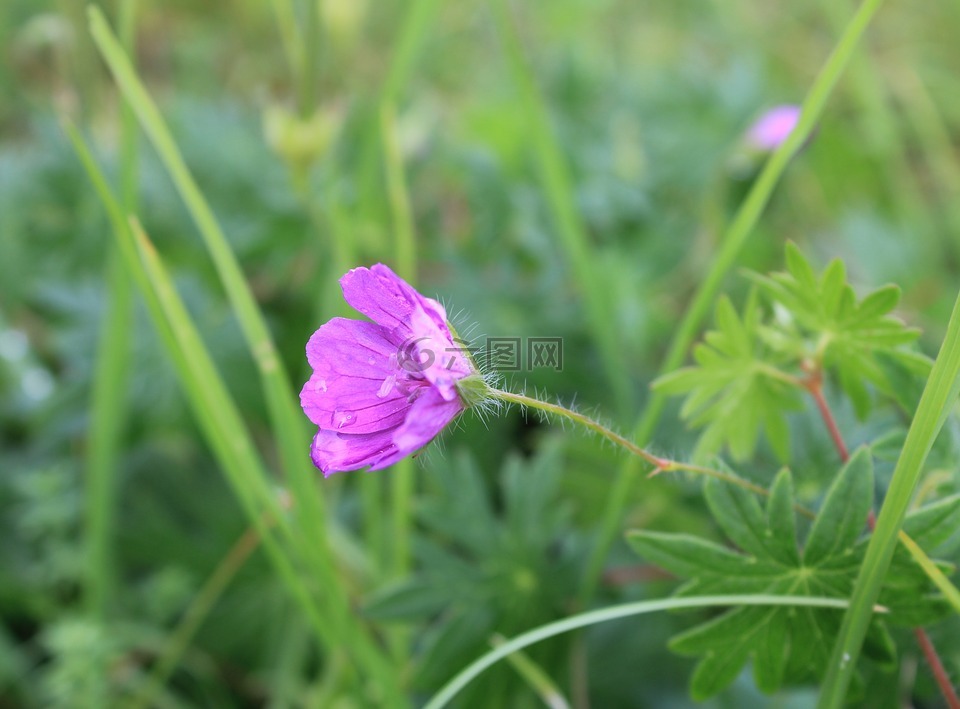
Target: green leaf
{"points": [[933, 524], [879, 302], [770, 658], [726, 630], [833, 283], [462, 496], [721, 665], [778, 434], [785, 645], [680, 381], [452, 645], [879, 646], [844, 512], [735, 390], [781, 520], [685, 555], [407, 600], [800, 268], [820, 320], [903, 374], [809, 644], [887, 446], [739, 515]]}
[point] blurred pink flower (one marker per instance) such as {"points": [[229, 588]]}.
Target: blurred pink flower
{"points": [[773, 127], [382, 390]]}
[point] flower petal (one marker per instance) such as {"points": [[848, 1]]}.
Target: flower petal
{"points": [[387, 299], [444, 361], [426, 419], [335, 452], [353, 363]]}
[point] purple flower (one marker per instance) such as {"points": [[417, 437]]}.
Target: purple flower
{"points": [[773, 127], [382, 390]]}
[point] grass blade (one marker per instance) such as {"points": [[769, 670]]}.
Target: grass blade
{"points": [[938, 399], [288, 423], [108, 401], [108, 409], [227, 435], [290, 37], [196, 613], [625, 610], [416, 22], [933, 572], [534, 676]]}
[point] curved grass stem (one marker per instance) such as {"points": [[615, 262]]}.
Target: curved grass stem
{"points": [[582, 620]]}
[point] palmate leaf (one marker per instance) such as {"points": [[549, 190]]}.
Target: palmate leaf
{"points": [[491, 556], [790, 645], [821, 320], [752, 368], [733, 390]]}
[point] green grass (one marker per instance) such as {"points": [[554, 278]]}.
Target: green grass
{"points": [[569, 170]]}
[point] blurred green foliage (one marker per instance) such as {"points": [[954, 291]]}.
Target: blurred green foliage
{"points": [[649, 102]]}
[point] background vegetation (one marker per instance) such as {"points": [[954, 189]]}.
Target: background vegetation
{"points": [[561, 168]]}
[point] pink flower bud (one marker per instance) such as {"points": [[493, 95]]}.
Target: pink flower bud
{"points": [[773, 127]]}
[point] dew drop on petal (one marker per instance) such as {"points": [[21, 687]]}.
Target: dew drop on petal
{"points": [[342, 418], [320, 385], [387, 386], [371, 360]]}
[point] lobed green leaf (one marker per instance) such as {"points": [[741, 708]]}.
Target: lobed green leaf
{"points": [[844, 513]]}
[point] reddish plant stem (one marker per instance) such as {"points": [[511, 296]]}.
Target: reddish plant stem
{"points": [[814, 384], [936, 666], [623, 575]]}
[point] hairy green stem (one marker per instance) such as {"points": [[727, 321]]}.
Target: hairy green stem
{"points": [[659, 464]]}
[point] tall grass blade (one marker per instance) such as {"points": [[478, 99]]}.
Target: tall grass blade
{"points": [[288, 423], [937, 401], [108, 401], [227, 435]]}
